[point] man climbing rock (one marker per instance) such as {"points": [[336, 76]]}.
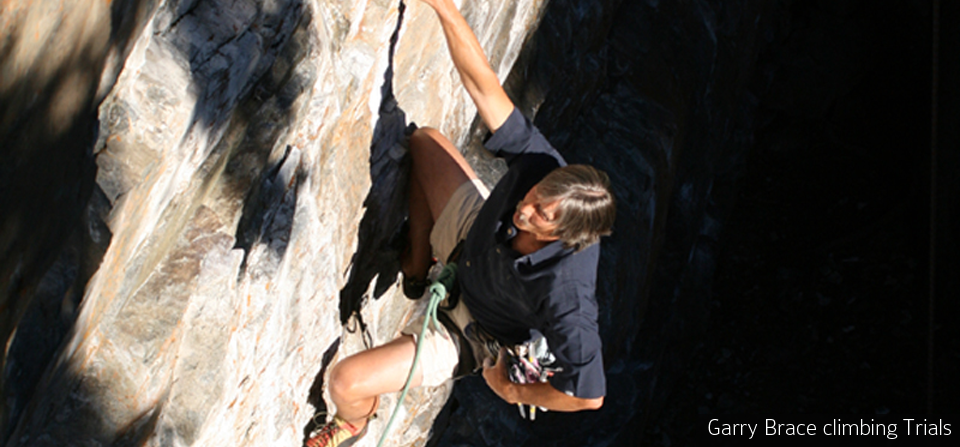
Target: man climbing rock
{"points": [[527, 256]]}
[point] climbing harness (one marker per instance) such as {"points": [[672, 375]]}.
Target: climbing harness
{"points": [[438, 291], [530, 362]]}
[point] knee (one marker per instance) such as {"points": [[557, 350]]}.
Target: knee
{"points": [[423, 139], [344, 383], [422, 133]]}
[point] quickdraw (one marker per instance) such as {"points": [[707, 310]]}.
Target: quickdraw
{"points": [[531, 362]]}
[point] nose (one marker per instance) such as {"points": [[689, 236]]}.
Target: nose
{"points": [[527, 209]]}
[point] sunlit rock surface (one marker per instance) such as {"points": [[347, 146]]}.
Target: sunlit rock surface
{"points": [[199, 198], [248, 179]]}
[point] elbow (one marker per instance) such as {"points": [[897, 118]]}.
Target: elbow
{"points": [[593, 404]]}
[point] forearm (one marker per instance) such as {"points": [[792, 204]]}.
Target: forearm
{"points": [[478, 78], [546, 396]]}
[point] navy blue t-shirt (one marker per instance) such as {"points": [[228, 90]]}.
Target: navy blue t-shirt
{"points": [[550, 290]]}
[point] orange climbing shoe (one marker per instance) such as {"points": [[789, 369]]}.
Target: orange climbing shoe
{"points": [[337, 433]]}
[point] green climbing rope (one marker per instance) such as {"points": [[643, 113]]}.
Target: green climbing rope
{"points": [[438, 291]]}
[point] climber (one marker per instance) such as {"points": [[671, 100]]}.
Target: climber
{"points": [[527, 256]]}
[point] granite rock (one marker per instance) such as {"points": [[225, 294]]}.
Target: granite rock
{"points": [[244, 175]]}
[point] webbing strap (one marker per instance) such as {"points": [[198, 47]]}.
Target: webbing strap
{"points": [[438, 291]]}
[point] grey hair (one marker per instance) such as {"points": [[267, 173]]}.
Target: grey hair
{"points": [[586, 208]]}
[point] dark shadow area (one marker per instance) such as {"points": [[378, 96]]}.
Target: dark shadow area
{"points": [[822, 295], [228, 48], [378, 254], [269, 208], [45, 182], [54, 308], [945, 194]]}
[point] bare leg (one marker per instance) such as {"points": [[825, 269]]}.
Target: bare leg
{"points": [[417, 259], [438, 169], [357, 381]]}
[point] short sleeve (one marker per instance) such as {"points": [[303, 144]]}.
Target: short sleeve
{"points": [[516, 136], [573, 336]]}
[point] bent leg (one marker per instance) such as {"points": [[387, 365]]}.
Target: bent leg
{"points": [[357, 381], [416, 261], [438, 169]]}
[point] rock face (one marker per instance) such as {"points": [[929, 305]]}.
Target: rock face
{"points": [[215, 230], [248, 176]]}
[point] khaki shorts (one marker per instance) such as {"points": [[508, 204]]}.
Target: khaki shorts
{"points": [[457, 217], [440, 353]]}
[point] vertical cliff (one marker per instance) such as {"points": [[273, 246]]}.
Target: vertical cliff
{"points": [[247, 166], [199, 196]]}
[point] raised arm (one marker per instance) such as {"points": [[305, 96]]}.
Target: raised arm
{"points": [[479, 79]]}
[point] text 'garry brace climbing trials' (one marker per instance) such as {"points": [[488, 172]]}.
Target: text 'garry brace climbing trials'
{"points": [[887, 427]]}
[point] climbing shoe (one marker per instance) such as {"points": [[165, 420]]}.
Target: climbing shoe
{"points": [[337, 433], [414, 288]]}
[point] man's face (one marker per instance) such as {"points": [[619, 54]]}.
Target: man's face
{"points": [[535, 216]]}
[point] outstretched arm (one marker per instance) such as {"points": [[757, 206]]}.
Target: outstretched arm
{"points": [[479, 79]]}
